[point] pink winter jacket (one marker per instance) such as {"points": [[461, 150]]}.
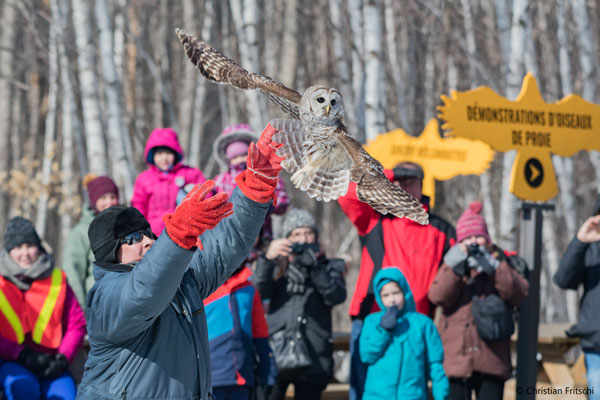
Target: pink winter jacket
{"points": [[155, 191]]}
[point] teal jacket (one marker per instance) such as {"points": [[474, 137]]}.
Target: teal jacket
{"points": [[147, 324], [77, 257], [401, 361]]}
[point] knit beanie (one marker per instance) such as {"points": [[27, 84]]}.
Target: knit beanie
{"points": [[472, 223], [99, 187], [297, 218], [19, 231], [235, 149], [233, 141], [109, 226]]}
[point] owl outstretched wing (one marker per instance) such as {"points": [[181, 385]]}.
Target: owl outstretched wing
{"points": [[221, 69], [375, 189]]}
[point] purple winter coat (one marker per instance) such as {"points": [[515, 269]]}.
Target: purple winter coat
{"points": [[73, 322], [155, 191]]}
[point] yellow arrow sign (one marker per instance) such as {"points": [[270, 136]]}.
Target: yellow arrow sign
{"points": [[529, 125], [440, 159]]}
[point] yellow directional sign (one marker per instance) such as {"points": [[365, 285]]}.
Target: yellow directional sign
{"points": [[440, 159], [530, 126]]}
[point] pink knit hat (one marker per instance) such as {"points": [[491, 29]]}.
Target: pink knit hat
{"points": [[236, 149], [472, 223]]}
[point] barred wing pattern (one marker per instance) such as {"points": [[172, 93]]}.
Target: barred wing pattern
{"points": [[221, 69], [375, 189]]}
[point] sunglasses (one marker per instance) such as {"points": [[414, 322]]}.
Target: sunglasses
{"points": [[136, 237]]}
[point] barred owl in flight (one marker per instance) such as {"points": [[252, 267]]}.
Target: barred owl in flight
{"points": [[320, 154]]}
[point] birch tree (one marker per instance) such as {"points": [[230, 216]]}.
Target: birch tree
{"points": [[120, 147], [50, 123], [518, 38], [391, 42], [289, 46], [374, 77], [355, 8], [245, 18], [88, 86], [7, 38]]}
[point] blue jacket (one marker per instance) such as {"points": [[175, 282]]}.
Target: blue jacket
{"points": [[238, 334], [400, 361], [146, 324]]}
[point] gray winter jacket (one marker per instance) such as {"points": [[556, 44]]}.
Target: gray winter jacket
{"points": [[146, 325]]}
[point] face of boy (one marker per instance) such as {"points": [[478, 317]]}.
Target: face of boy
{"points": [[164, 159], [105, 201], [391, 295], [25, 255], [238, 160]]}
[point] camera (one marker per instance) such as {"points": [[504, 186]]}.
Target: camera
{"points": [[297, 248], [474, 251]]}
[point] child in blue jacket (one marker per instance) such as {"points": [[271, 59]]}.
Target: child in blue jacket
{"points": [[400, 346]]}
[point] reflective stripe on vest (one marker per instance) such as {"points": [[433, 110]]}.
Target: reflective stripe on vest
{"points": [[39, 311], [48, 308], [10, 324]]}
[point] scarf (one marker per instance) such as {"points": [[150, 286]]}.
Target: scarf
{"points": [[23, 277]]}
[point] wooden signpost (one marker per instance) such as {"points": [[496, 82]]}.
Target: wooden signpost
{"points": [[536, 130], [440, 158]]}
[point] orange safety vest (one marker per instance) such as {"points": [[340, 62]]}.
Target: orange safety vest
{"points": [[37, 311]]}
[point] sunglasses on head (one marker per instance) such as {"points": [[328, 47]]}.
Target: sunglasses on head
{"points": [[136, 237]]}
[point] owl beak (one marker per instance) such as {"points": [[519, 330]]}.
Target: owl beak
{"points": [[328, 108]]}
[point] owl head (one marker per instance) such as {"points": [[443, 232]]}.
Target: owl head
{"points": [[323, 104]]}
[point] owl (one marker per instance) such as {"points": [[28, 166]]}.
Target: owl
{"points": [[319, 153]]}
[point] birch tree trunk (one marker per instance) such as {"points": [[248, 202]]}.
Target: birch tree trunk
{"points": [[508, 202], [392, 50], [503, 26], [244, 19], [374, 76], [587, 60], [88, 86], [564, 167], [289, 47], [120, 147], [355, 8], [50, 124], [7, 39], [188, 86], [197, 127]]}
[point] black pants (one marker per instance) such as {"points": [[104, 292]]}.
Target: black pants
{"points": [[486, 387], [302, 390]]}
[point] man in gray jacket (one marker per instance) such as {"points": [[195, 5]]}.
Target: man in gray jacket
{"points": [[145, 313]]}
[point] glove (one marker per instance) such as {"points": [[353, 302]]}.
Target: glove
{"points": [[196, 214], [296, 278], [320, 277], [55, 368], [455, 258], [484, 261], [307, 259], [390, 318], [34, 361], [259, 180]]}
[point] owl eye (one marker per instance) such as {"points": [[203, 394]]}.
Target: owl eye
{"points": [[333, 102], [320, 100]]}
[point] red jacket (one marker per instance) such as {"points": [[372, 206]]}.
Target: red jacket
{"points": [[390, 241]]}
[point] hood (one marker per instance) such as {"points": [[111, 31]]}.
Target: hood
{"points": [[394, 274], [166, 137]]}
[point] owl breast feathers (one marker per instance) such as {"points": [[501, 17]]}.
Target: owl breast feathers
{"points": [[320, 154]]}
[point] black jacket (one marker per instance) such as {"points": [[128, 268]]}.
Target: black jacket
{"points": [[581, 265], [317, 301]]}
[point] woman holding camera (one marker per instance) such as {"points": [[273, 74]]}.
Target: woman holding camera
{"points": [[301, 286], [478, 289]]}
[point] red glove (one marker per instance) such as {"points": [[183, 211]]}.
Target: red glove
{"points": [[259, 180], [196, 214]]}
